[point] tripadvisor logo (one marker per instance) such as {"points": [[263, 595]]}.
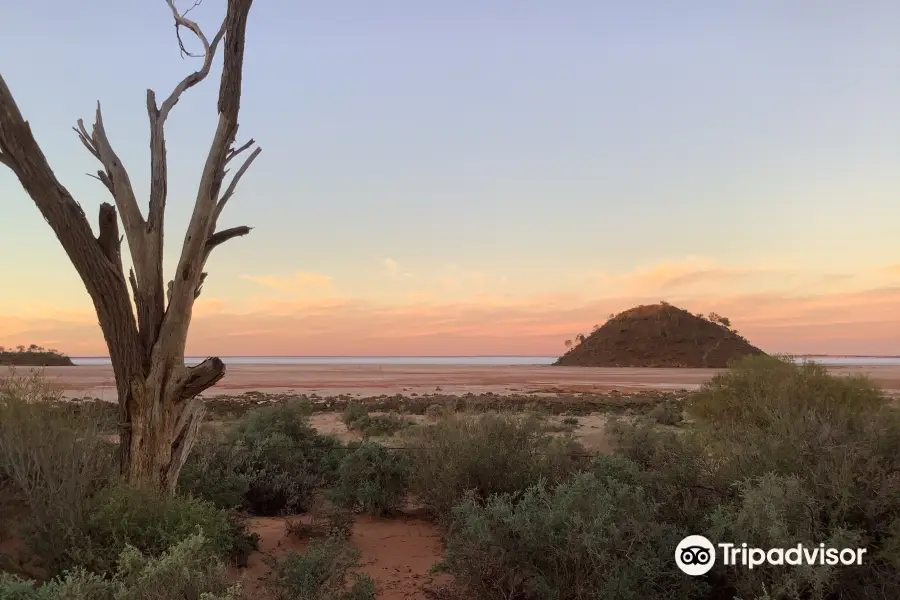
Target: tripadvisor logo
{"points": [[695, 555]]}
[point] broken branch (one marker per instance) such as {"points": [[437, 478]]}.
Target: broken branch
{"points": [[202, 376], [229, 191], [116, 180], [108, 237], [234, 152], [220, 237]]}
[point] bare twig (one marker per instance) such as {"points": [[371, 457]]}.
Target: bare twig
{"points": [[229, 191], [200, 285], [209, 52], [104, 179], [235, 151]]}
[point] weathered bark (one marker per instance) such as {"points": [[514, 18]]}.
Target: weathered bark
{"points": [[158, 404]]}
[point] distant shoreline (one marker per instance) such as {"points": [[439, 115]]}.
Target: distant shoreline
{"points": [[428, 356]]}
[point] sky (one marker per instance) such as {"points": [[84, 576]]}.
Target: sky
{"points": [[475, 178]]}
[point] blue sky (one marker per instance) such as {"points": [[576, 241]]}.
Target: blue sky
{"points": [[474, 154]]}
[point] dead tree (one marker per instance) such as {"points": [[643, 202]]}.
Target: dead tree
{"points": [[157, 392]]}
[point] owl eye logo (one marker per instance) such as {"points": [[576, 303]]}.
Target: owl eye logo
{"points": [[695, 555]]}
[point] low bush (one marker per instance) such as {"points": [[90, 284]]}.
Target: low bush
{"points": [[667, 413], [125, 516], [323, 572], [357, 418], [186, 571], [54, 457], [488, 454], [270, 462], [780, 454], [587, 538], [371, 479]]}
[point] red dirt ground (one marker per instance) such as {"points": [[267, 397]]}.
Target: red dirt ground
{"points": [[396, 553]]}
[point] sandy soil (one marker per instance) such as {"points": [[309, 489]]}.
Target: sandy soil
{"points": [[396, 553], [374, 380]]}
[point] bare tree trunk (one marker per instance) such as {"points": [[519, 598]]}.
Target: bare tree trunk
{"points": [[157, 393]]}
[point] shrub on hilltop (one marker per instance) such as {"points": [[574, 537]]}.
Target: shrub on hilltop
{"points": [[33, 356]]}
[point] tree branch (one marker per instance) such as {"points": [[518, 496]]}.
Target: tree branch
{"points": [[200, 283], [104, 283], [104, 179], [229, 191], [201, 226], [235, 151], [220, 237], [98, 144], [209, 52], [202, 377], [109, 235], [151, 273]]}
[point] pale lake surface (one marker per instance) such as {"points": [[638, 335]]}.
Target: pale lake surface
{"points": [[452, 360]]}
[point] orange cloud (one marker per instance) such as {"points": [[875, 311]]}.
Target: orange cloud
{"points": [[680, 273], [857, 323], [794, 318]]}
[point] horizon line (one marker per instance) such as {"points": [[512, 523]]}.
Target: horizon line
{"points": [[351, 356], [457, 355]]}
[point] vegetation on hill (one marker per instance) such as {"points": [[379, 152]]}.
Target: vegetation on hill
{"points": [[659, 335], [769, 453], [33, 356]]}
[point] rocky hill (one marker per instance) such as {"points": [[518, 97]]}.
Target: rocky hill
{"points": [[660, 335]]}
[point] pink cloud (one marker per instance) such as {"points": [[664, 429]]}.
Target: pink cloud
{"points": [[858, 322], [311, 320]]}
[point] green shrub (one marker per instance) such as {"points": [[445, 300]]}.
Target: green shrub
{"points": [[124, 516], [765, 392], [55, 456], [488, 454], [211, 472], [356, 417], [372, 479], [353, 414], [269, 463], [186, 571], [323, 572], [782, 454], [566, 543], [667, 413]]}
